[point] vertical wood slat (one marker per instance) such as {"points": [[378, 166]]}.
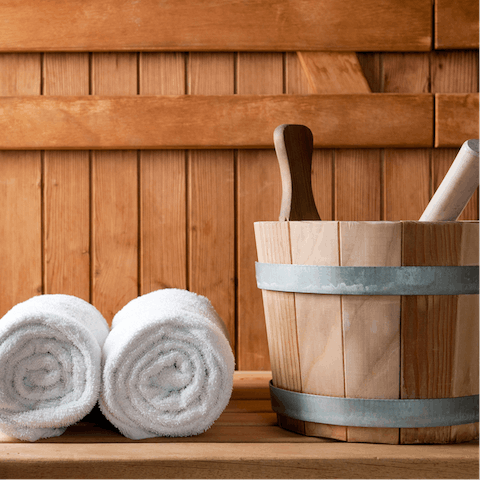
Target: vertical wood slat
{"points": [[371, 324], [319, 317], [162, 186], [67, 190], [211, 228], [258, 199], [273, 246], [407, 180], [114, 191], [20, 195], [430, 324], [453, 72]]}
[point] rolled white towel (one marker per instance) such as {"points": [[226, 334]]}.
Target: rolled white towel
{"points": [[50, 359], [168, 366]]}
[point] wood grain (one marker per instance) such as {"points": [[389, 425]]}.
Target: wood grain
{"points": [[333, 72], [222, 461], [258, 199], [456, 118], [358, 184], [294, 149], [407, 183], [115, 199], [430, 324], [456, 24], [319, 321], [453, 72], [20, 196], [163, 253], [187, 25], [371, 324], [406, 172], [211, 227], [441, 162], [273, 246], [66, 244], [322, 160], [198, 121]]}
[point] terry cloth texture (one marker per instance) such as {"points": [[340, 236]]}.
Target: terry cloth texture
{"points": [[168, 366], [50, 365]]}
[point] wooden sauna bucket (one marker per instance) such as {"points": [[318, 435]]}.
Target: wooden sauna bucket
{"points": [[372, 346], [367, 359]]}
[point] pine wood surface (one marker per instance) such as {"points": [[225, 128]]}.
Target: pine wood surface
{"points": [[162, 185], [258, 175], [246, 444], [114, 198], [428, 362], [333, 72], [371, 324], [456, 118], [456, 24], [211, 216], [66, 242], [20, 196], [197, 121], [186, 25]]}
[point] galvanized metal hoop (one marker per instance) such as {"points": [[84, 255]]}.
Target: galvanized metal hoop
{"points": [[367, 412], [413, 280]]}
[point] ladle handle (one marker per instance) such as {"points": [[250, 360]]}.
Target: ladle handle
{"points": [[294, 148], [457, 187]]}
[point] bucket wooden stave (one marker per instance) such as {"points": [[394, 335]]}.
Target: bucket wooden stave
{"points": [[373, 346]]}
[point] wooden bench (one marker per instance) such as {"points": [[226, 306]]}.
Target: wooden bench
{"points": [[245, 442]]}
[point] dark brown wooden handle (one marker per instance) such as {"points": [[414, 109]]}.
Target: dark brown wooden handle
{"points": [[294, 148]]}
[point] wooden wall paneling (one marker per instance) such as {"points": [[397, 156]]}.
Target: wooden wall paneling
{"points": [[211, 221], [358, 184], [456, 118], [453, 72], [333, 72], [197, 121], [163, 254], [407, 181], [258, 199], [115, 195], [188, 25], [456, 24], [322, 159], [372, 65], [66, 244], [357, 172], [20, 195], [430, 324], [371, 324]]}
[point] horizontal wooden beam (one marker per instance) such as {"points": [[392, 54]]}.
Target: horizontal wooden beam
{"points": [[456, 24], [456, 118], [223, 25], [229, 121]]}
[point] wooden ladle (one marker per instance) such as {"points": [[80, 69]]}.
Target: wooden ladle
{"points": [[294, 149]]}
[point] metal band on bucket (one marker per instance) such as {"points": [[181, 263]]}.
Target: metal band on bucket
{"points": [[365, 412], [416, 280]]}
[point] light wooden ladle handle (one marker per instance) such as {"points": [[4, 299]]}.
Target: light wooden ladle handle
{"points": [[457, 187], [294, 148]]}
